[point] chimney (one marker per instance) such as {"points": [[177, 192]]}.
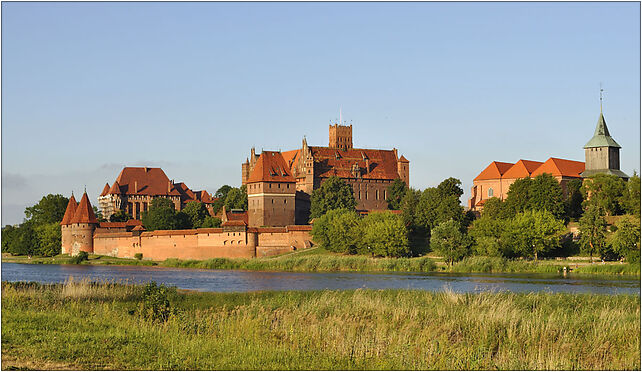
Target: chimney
{"points": [[135, 187], [367, 166]]}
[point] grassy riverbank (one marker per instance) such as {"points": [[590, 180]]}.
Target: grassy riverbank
{"points": [[84, 326], [322, 261]]}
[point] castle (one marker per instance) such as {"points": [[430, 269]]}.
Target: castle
{"points": [[601, 153], [369, 172]]}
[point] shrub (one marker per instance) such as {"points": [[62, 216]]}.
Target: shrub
{"points": [[79, 258], [138, 256], [155, 305]]}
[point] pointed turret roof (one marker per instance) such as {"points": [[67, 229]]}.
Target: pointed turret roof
{"points": [[105, 190], [115, 189], [70, 211], [271, 167], [403, 159], [601, 138], [84, 211]]}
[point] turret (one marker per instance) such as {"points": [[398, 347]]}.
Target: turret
{"points": [[602, 153], [65, 225], [83, 225]]}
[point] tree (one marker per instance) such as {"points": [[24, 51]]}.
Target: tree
{"points": [[236, 198], [495, 208], [49, 239], [163, 216], [434, 208], [448, 239], [592, 230], [535, 232], [383, 234], [197, 213], [450, 187], [604, 191], [625, 241], [337, 230], [546, 194], [574, 199], [334, 193], [120, 216], [396, 192], [487, 236], [211, 222], [51, 208], [223, 191], [630, 199], [99, 214], [518, 196], [21, 240]]}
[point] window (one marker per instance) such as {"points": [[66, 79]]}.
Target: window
{"points": [[490, 192], [377, 194], [288, 185], [359, 194], [366, 194]]}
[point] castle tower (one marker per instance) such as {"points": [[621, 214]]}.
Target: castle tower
{"points": [[271, 190], [602, 153], [82, 226], [340, 137], [65, 225], [403, 168]]}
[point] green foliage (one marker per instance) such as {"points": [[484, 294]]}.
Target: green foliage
{"points": [[518, 196], [196, 213], [533, 232], [448, 239], [334, 193], [49, 239], [593, 230], [337, 230], [542, 193], [396, 192], [79, 258], [211, 222], [138, 256], [450, 187], [155, 305], [630, 199], [495, 208], [98, 214], [162, 216], [435, 208], [21, 240], [222, 192], [606, 191], [383, 234], [120, 216], [573, 203], [487, 236], [51, 208], [625, 241], [236, 198]]}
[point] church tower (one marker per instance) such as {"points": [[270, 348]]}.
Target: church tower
{"points": [[602, 153]]}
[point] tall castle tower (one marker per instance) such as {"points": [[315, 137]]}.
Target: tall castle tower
{"points": [[65, 225], [82, 227], [602, 153], [340, 137]]}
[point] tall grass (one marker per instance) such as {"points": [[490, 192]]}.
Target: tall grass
{"points": [[357, 329], [621, 269]]}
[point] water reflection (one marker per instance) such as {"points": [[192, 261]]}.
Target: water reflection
{"points": [[244, 281]]}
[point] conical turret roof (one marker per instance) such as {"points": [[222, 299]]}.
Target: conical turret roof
{"points": [[105, 190], [70, 211], [115, 189], [601, 138], [84, 212]]}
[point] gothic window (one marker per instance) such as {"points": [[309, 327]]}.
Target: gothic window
{"points": [[490, 192]]}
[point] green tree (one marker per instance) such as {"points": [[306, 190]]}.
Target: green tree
{"points": [[49, 239], [434, 208], [99, 214], [383, 234], [197, 213], [593, 230], [604, 191], [334, 193], [630, 199], [120, 216], [546, 194], [396, 192], [51, 208], [22, 240], [625, 241], [10, 234], [534, 232], [450, 187], [211, 222], [236, 198], [222, 191], [337, 230], [495, 208], [448, 240], [487, 236], [574, 199], [518, 196], [162, 216]]}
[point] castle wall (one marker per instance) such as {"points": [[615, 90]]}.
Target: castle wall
{"points": [[82, 238], [202, 244]]}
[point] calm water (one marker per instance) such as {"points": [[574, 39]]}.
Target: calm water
{"points": [[245, 281]]}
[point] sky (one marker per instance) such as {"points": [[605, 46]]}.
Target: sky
{"points": [[88, 88]]}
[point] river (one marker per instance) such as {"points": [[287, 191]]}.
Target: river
{"points": [[247, 281]]}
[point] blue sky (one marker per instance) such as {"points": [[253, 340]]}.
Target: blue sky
{"points": [[88, 88]]}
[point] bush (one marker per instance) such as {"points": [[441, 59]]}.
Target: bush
{"points": [[79, 258], [155, 305], [138, 256]]}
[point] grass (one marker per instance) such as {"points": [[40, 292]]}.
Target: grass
{"points": [[83, 325]]}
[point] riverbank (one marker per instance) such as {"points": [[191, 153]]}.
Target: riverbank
{"points": [[85, 326], [318, 260]]}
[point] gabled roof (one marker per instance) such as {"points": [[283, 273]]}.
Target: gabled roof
{"points": [[271, 167], [338, 162], [105, 190], [522, 169], [149, 181], [601, 138], [84, 213], [494, 170], [114, 189], [403, 159], [560, 168], [290, 157], [69, 212]]}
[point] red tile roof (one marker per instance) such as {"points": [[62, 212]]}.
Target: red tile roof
{"points": [[114, 189], [337, 162], [561, 167], [111, 225], [234, 223], [105, 190], [84, 213], [69, 212], [271, 167], [291, 157], [493, 171], [149, 181], [522, 169], [234, 216]]}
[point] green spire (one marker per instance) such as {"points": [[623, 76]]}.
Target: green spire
{"points": [[601, 138]]}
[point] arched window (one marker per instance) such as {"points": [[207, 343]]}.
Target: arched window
{"points": [[490, 192]]}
